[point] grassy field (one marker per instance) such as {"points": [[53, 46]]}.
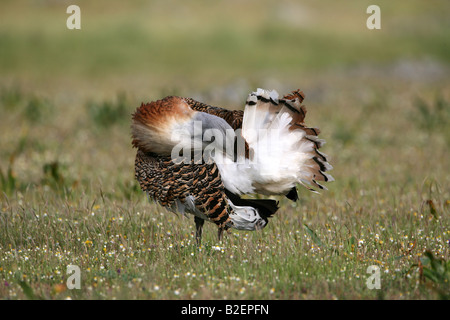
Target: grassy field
{"points": [[68, 197]]}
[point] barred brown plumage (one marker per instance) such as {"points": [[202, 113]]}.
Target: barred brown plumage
{"points": [[167, 182], [210, 190]]}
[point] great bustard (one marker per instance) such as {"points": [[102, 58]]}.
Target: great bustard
{"points": [[199, 159]]}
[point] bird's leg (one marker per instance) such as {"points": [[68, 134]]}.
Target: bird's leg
{"points": [[198, 229], [220, 234]]}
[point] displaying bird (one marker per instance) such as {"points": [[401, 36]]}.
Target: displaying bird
{"points": [[198, 159]]}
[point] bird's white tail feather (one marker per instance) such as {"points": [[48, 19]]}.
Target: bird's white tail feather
{"points": [[283, 151]]}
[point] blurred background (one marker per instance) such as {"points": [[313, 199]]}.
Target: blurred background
{"points": [[145, 47], [66, 96]]}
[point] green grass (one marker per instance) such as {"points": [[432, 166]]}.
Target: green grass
{"points": [[67, 188], [129, 249]]}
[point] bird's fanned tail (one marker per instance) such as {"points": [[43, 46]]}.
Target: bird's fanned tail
{"points": [[284, 150]]}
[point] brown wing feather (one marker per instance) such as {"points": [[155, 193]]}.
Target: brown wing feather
{"points": [[318, 162], [298, 111], [232, 117]]}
